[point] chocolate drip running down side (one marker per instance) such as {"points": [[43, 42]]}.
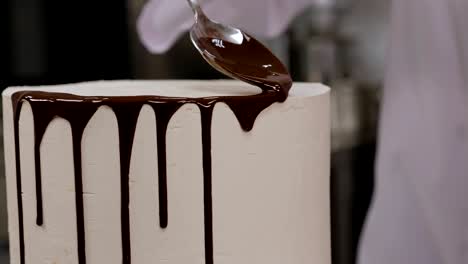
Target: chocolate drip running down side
{"points": [[164, 113], [78, 110]]}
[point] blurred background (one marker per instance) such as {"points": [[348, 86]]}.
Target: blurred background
{"points": [[339, 42]]}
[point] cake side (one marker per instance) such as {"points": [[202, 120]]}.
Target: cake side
{"points": [[271, 186], [10, 173], [184, 239]]}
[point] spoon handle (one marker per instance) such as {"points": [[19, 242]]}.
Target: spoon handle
{"points": [[195, 5]]}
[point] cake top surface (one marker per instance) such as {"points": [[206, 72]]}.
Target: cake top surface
{"points": [[168, 88]]}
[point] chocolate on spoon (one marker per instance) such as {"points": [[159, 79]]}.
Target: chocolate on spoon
{"points": [[238, 55]]}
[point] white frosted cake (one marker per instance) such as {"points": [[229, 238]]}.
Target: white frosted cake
{"points": [[94, 176]]}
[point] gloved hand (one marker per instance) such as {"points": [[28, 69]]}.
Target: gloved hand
{"points": [[163, 21]]}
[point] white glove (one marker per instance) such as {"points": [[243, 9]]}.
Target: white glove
{"points": [[420, 209], [163, 21]]}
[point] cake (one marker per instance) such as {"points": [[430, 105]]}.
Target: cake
{"points": [[170, 172]]}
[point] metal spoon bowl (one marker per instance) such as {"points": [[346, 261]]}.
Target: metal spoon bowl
{"points": [[236, 54]]}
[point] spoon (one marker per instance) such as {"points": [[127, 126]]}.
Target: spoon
{"points": [[238, 55]]}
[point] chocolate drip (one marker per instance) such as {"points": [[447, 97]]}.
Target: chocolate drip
{"points": [[78, 110], [248, 109], [164, 113], [45, 107], [78, 125], [19, 189], [127, 115], [39, 130], [77, 135], [206, 118]]}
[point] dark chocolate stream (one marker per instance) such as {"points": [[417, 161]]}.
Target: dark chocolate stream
{"points": [[78, 110]]}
